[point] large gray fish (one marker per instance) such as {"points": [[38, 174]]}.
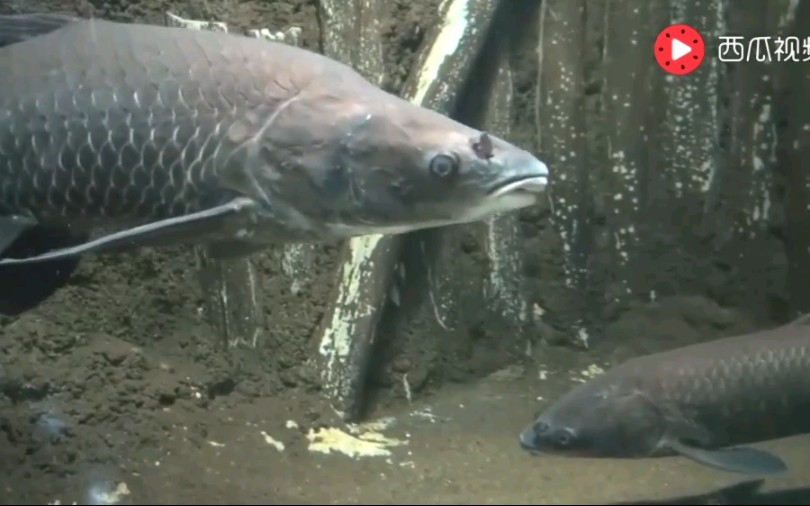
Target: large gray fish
{"points": [[168, 135], [703, 402]]}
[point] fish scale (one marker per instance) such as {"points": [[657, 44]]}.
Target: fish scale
{"points": [[734, 378], [125, 143]]}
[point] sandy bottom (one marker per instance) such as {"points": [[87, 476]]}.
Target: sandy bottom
{"points": [[456, 447]]}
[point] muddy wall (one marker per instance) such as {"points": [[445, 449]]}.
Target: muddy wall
{"points": [[662, 189]]}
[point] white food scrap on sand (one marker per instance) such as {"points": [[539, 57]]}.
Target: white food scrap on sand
{"points": [[592, 371], [272, 441], [362, 440]]}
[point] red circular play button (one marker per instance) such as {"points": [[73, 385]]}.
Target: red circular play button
{"points": [[679, 49]]}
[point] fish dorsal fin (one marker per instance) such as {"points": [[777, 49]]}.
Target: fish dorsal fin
{"points": [[801, 320], [16, 28]]}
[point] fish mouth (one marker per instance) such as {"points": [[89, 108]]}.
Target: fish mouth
{"points": [[525, 184], [528, 441]]}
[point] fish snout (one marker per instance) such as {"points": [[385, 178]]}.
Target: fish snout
{"points": [[529, 440], [528, 175], [540, 174]]}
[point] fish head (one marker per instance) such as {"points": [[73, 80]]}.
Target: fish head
{"points": [[373, 163], [418, 169], [597, 419]]}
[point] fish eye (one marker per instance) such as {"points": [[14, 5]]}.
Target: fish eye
{"points": [[444, 165], [540, 428], [563, 438]]}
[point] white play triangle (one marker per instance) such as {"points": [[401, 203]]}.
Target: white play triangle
{"points": [[679, 50]]}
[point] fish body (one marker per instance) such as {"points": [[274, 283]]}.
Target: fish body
{"points": [[704, 402], [164, 135]]}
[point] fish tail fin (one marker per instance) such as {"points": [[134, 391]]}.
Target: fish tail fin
{"points": [[16, 28], [734, 460]]}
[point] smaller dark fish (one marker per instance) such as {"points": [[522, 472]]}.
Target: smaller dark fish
{"points": [[702, 402]]}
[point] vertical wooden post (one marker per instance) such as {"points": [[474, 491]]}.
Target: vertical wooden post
{"points": [[505, 289], [793, 155], [352, 34], [560, 122], [366, 273]]}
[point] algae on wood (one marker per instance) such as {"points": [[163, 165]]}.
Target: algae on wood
{"points": [[632, 101], [352, 34], [792, 112], [505, 290], [505, 287], [561, 117], [742, 205]]}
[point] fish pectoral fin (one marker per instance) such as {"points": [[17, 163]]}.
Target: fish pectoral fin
{"points": [[742, 460], [10, 229], [19, 27], [224, 218]]}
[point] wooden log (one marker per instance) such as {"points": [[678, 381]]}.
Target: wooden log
{"points": [[352, 34], [449, 53], [743, 206], [349, 327], [793, 153], [229, 288], [663, 185], [365, 277], [692, 132], [631, 99], [230, 285], [505, 288], [628, 229], [656, 199], [561, 117]]}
